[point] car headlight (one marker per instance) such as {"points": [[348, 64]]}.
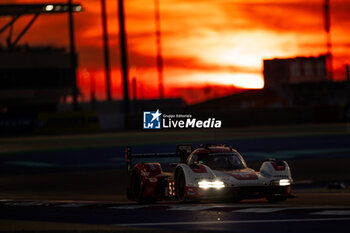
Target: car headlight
{"points": [[211, 184], [284, 182]]}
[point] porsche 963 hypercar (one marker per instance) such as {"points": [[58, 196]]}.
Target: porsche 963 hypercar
{"points": [[206, 173]]}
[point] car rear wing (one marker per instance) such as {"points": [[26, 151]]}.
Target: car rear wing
{"points": [[182, 152]]}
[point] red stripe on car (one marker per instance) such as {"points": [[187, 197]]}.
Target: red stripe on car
{"points": [[278, 168]]}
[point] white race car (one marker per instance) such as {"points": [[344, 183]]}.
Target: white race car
{"points": [[208, 172]]}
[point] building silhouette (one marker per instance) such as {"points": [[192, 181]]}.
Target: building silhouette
{"points": [[34, 78]]}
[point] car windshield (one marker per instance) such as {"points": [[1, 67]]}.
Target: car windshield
{"points": [[222, 161]]}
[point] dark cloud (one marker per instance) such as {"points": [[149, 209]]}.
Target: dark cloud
{"points": [[307, 16], [278, 16]]}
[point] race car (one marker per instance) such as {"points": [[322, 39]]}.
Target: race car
{"points": [[210, 172]]}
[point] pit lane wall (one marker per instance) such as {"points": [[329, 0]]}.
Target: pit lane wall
{"points": [[276, 116], [99, 117]]}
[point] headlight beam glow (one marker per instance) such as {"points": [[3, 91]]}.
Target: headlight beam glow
{"points": [[211, 184], [284, 182]]}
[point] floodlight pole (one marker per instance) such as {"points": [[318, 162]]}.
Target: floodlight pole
{"points": [[73, 58], [159, 50], [329, 40], [9, 24], [124, 61], [13, 44], [347, 107], [106, 50]]}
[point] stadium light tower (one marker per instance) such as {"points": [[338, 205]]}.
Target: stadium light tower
{"points": [[73, 58], [159, 49], [124, 61], [17, 10], [106, 49]]}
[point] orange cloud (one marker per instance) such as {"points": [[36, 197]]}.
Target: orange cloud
{"points": [[203, 42]]}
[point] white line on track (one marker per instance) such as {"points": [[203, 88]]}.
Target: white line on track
{"points": [[259, 210], [129, 207], [251, 205], [333, 212], [270, 210], [69, 205], [191, 208], [232, 222], [212, 206], [24, 203], [5, 200]]}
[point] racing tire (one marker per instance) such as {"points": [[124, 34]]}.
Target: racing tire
{"points": [[137, 189], [180, 186]]}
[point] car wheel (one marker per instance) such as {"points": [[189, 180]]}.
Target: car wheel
{"points": [[180, 184], [136, 184], [137, 189]]}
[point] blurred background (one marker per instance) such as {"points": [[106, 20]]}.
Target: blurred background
{"points": [[283, 61]]}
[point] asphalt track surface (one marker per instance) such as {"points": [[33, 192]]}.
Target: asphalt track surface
{"points": [[204, 217], [108, 157], [18, 168]]}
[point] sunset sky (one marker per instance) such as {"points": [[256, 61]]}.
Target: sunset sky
{"points": [[204, 42]]}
